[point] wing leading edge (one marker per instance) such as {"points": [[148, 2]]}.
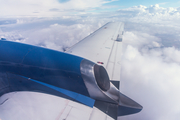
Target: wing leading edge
{"points": [[69, 85]]}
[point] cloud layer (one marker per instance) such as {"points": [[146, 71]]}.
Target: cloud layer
{"points": [[151, 55], [150, 74], [48, 8]]}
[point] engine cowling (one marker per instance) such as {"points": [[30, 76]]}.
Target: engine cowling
{"points": [[100, 88]]}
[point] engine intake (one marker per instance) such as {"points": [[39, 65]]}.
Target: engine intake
{"points": [[102, 77]]}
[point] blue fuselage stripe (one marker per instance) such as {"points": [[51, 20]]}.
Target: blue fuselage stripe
{"points": [[78, 97]]}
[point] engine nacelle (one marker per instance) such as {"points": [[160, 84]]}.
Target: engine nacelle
{"points": [[97, 82]]}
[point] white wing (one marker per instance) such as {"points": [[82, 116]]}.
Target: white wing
{"points": [[103, 47]]}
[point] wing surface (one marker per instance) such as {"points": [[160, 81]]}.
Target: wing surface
{"points": [[103, 47], [39, 106]]}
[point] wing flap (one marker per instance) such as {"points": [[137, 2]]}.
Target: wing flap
{"points": [[40, 106], [114, 62]]}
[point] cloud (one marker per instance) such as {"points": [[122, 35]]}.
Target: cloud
{"points": [[155, 84], [150, 68], [151, 54], [54, 9], [55, 34], [153, 14], [40, 8], [163, 3]]}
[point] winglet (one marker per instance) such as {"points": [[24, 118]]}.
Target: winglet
{"points": [[127, 106]]}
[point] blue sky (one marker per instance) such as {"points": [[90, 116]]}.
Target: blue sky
{"points": [[130, 3], [115, 5]]}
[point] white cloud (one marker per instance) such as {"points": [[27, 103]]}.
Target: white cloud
{"points": [[150, 70], [51, 33], [153, 82], [140, 39], [171, 54], [47, 8], [152, 14]]}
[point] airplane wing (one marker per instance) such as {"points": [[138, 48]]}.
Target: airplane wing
{"points": [[81, 84], [103, 47]]}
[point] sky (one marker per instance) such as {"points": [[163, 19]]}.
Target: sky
{"points": [[57, 8], [130, 3], [151, 43]]}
